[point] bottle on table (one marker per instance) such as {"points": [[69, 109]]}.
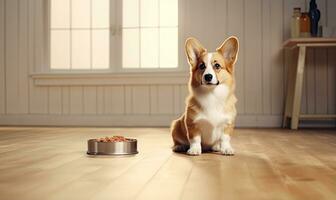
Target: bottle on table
{"points": [[295, 26], [305, 25], [314, 15]]}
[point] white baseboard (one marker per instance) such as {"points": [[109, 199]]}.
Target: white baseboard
{"points": [[123, 120], [87, 120], [259, 121]]}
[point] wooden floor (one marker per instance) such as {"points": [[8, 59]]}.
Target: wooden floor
{"points": [[51, 163]]}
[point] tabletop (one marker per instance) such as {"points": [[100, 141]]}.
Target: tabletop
{"points": [[321, 41]]}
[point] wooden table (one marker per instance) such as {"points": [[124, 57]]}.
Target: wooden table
{"points": [[295, 79]]}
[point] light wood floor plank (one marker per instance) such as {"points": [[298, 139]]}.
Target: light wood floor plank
{"points": [[169, 180]]}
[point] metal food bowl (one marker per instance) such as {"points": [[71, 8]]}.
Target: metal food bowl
{"points": [[128, 147]]}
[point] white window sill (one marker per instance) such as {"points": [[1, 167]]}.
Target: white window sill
{"points": [[109, 78]]}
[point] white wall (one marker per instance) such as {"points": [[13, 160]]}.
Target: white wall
{"points": [[261, 25]]}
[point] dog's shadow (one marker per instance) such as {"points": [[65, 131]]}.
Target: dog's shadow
{"points": [[213, 156], [204, 151], [239, 161]]}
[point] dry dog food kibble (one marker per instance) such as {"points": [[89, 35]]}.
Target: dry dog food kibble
{"points": [[113, 139]]}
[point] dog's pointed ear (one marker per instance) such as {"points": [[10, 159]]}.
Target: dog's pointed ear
{"points": [[193, 49], [229, 49]]}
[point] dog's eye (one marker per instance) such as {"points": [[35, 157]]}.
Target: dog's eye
{"points": [[217, 66], [202, 66]]}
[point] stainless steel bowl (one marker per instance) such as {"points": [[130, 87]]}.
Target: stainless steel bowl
{"points": [[112, 148]]}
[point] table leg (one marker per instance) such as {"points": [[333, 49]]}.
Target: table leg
{"points": [[291, 72], [298, 88]]}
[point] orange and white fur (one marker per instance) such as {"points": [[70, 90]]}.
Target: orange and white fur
{"points": [[210, 110]]}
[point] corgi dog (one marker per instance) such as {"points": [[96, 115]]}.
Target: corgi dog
{"points": [[209, 117]]}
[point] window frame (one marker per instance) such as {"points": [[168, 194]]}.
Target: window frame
{"points": [[115, 56]]}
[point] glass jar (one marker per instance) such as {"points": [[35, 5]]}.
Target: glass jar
{"points": [[295, 26], [305, 25]]}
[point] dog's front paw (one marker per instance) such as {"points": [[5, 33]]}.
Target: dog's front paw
{"points": [[195, 151], [227, 150], [216, 147]]}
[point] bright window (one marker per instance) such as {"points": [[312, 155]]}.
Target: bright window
{"points": [[145, 34]]}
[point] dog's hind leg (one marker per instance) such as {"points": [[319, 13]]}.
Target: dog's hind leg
{"points": [[179, 135], [180, 148]]}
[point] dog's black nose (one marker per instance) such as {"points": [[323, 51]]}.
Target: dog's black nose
{"points": [[208, 77]]}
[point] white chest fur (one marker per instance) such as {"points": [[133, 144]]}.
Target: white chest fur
{"points": [[213, 117]]}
